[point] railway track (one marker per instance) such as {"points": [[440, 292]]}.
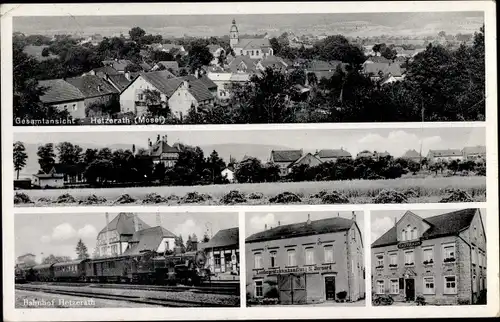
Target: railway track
{"points": [[122, 297], [215, 288]]}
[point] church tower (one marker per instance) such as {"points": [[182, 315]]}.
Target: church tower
{"points": [[233, 35]]}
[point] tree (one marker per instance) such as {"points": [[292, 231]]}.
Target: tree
{"points": [[19, 156], [453, 166], [136, 33], [45, 52], [46, 157], [413, 166], [90, 156], [216, 165], [338, 48], [155, 106], [249, 171], [198, 55], [180, 243], [69, 153], [81, 250]]}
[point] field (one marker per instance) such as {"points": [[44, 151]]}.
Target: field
{"points": [[423, 190]]}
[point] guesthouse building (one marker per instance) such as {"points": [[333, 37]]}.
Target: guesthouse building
{"points": [[223, 254], [307, 262], [440, 258]]}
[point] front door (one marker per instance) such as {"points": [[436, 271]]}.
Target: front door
{"points": [[228, 262], [410, 289], [330, 288]]}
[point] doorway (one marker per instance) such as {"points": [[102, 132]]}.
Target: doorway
{"points": [[292, 289], [330, 288], [410, 289]]}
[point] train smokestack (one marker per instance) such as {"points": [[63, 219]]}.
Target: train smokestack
{"points": [[194, 242]]}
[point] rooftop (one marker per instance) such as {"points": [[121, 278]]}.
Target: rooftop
{"points": [[333, 153], [286, 155], [441, 225], [124, 224], [224, 238], [147, 239], [315, 227]]}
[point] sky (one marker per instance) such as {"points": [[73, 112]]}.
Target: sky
{"points": [[256, 221], [394, 141], [58, 234], [382, 221], [349, 24]]}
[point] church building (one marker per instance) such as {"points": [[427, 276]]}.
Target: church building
{"points": [[255, 48]]}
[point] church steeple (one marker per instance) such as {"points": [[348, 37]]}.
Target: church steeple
{"points": [[233, 35]]}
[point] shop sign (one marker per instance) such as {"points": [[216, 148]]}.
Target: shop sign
{"points": [[299, 269], [410, 244]]}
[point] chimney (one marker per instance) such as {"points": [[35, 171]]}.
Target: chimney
{"points": [[158, 219], [197, 73], [353, 216], [165, 138], [158, 138], [127, 75], [136, 222], [149, 142], [279, 223], [308, 219], [265, 226], [177, 250]]}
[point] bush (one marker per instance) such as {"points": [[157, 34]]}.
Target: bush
{"points": [[457, 195], [272, 293], [20, 197], [319, 194], [390, 196], [44, 200], [285, 197], [342, 295], [233, 197], [126, 198], [334, 197], [92, 200], [153, 198], [256, 195], [65, 198], [193, 197], [411, 193]]}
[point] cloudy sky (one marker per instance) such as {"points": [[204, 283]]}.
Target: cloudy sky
{"points": [[58, 234], [255, 222], [351, 24], [382, 221], [395, 141]]}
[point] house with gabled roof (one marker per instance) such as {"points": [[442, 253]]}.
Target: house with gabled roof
{"points": [[252, 47], [77, 94], [179, 93], [223, 254], [307, 159], [441, 258], [156, 239], [332, 155], [161, 152], [445, 155], [171, 66], [475, 153], [308, 262], [114, 238], [413, 155], [285, 159]]}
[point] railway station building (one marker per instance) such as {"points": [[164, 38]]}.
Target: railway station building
{"points": [[308, 262], [223, 254], [441, 258]]}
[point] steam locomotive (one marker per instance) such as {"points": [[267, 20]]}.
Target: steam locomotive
{"points": [[149, 267]]}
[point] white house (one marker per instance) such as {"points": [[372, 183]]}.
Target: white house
{"points": [[179, 92], [228, 173], [53, 180], [445, 155]]}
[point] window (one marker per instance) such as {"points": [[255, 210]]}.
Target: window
{"points": [[257, 53], [380, 287], [74, 107], [273, 259], [409, 258], [428, 255], [450, 285], [449, 252], [258, 289], [328, 250], [393, 260], [291, 257], [429, 285], [380, 261], [241, 52], [394, 286], [140, 97], [258, 260], [252, 52], [474, 284], [403, 235], [65, 106], [474, 255], [414, 234], [309, 256], [217, 260]]}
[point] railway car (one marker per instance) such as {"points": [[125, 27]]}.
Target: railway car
{"points": [[44, 272], [70, 271], [187, 268], [30, 274], [111, 269]]}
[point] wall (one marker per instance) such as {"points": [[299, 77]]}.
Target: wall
{"points": [[105, 99], [164, 241], [76, 109], [315, 292], [51, 182], [129, 96], [356, 264], [180, 102]]}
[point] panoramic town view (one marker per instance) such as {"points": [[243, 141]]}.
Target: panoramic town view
{"points": [[229, 168], [218, 69], [127, 260]]}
